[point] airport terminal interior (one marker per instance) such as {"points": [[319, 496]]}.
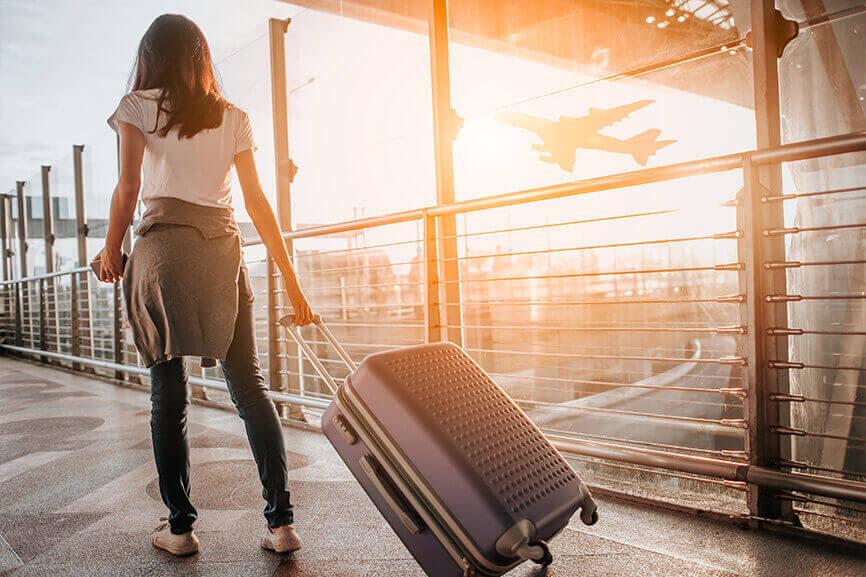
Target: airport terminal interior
{"points": [[644, 219]]}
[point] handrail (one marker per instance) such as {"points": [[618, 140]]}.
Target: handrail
{"points": [[46, 275]]}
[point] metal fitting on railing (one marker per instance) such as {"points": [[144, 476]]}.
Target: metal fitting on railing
{"points": [[733, 360], [776, 265], [781, 231], [736, 423], [783, 298], [736, 485], [785, 397], [732, 329], [731, 454], [732, 235], [729, 266], [781, 331], [734, 392], [731, 299], [782, 430], [785, 365]]}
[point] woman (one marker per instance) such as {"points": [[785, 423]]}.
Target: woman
{"points": [[187, 291]]}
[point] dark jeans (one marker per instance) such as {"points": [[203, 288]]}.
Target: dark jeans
{"points": [[170, 398]]}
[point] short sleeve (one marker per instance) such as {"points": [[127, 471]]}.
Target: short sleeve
{"points": [[244, 134], [129, 110]]}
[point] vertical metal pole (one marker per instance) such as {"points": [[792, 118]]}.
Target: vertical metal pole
{"points": [[4, 237], [74, 321], [80, 214], [50, 285], [23, 293], [43, 317], [47, 219], [279, 101], [446, 124], [19, 314], [117, 328], [82, 319], [432, 306], [765, 448], [6, 290], [285, 170], [22, 229]]}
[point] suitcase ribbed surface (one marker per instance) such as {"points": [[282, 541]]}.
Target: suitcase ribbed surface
{"points": [[503, 446]]}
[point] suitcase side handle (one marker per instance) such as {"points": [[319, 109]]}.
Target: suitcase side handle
{"points": [[390, 493], [295, 332]]}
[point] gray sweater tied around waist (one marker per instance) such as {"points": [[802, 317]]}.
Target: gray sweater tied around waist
{"points": [[183, 281]]}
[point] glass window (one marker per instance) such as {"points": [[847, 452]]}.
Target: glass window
{"points": [[822, 74], [360, 114], [595, 89]]}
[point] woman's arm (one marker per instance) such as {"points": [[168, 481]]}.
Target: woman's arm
{"points": [[269, 230], [123, 200]]}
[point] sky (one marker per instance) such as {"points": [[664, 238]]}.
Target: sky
{"points": [[64, 64]]}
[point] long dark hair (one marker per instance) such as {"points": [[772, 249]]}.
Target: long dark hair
{"points": [[174, 57]]}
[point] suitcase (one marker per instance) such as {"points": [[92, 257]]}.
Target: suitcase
{"points": [[469, 484]]}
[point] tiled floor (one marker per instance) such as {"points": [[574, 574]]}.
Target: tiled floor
{"points": [[78, 497]]}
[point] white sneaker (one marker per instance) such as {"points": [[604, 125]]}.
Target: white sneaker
{"points": [[180, 545], [282, 539]]}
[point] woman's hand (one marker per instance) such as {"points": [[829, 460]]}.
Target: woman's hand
{"points": [[300, 304], [111, 264]]}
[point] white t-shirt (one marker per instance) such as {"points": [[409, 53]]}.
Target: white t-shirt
{"points": [[196, 169]]}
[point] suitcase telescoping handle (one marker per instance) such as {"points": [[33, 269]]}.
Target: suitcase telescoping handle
{"points": [[295, 332]]}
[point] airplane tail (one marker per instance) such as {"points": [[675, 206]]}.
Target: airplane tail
{"points": [[645, 144]]}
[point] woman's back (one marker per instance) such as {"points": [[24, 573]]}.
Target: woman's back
{"points": [[195, 169]]}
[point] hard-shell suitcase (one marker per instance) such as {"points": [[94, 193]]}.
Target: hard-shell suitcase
{"points": [[469, 484]]}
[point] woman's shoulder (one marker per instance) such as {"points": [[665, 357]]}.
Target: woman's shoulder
{"points": [[149, 95], [235, 110], [140, 99]]}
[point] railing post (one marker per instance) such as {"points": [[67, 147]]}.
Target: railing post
{"points": [[47, 219], [446, 125], [22, 229], [432, 316], [117, 328], [23, 296], [43, 317], [6, 291], [19, 314], [74, 326], [285, 171], [766, 448], [80, 214], [5, 229], [50, 285], [82, 303]]}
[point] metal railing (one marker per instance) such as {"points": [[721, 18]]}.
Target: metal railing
{"points": [[704, 404]]}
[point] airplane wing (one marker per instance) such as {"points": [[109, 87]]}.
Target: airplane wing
{"points": [[599, 118], [557, 142]]}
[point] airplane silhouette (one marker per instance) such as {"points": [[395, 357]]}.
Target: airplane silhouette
{"points": [[561, 138]]}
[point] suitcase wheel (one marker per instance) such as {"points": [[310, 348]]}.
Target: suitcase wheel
{"points": [[547, 559], [589, 513]]}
